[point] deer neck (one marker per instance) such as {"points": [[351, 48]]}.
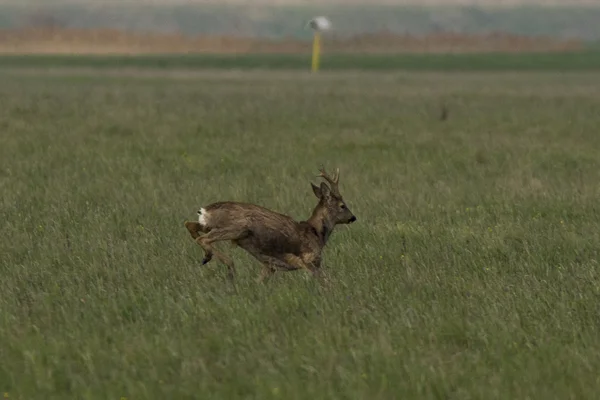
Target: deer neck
{"points": [[321, 224]]}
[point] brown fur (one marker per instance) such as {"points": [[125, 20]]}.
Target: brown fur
{"points": [[276, 240]]}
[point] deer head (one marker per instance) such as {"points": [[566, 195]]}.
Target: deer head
{"points": [[331, 202]]}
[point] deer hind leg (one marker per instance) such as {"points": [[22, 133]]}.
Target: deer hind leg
{"points": [[216, 235], [195, 228]]}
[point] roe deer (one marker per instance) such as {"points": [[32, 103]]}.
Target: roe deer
{"points": [[276, 240]]}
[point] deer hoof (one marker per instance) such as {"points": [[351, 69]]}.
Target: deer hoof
{"points": [[205, 260]]}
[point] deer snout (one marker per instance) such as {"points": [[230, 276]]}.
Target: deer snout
{"points": [[352, 219]]}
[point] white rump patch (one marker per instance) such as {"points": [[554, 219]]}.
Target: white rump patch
{"points": [[202, 217]]}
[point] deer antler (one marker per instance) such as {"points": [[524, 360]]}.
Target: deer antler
{"points": [[333, 182]]}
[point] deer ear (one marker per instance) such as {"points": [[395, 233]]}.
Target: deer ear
{"points": [[316, 190], [325, 191]]}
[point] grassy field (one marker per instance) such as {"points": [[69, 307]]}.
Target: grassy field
{"points": [[472, 272], [588, 60]]}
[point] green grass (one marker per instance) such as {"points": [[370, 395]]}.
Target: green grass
{"points": [[573, 61], [472, 272]]}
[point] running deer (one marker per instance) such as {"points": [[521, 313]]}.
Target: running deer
{"points": [[276, 240]]}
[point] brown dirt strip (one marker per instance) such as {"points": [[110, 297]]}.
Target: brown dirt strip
{"points": [[106, 41]]}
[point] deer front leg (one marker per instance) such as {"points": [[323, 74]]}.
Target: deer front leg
{"points": [[310, 267], [266, 273], [298, 263], [270, 263]]}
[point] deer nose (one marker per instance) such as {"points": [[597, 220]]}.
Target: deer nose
{"points": [[352, 219]]}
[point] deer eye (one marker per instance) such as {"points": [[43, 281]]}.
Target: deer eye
{"points": [[343, 206]]}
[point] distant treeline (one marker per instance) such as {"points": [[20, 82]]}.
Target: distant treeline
{"points": [[277, 22]]}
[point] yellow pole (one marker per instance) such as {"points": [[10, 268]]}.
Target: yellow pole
{"points": [[316, 51]]}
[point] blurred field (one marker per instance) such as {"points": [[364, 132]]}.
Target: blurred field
{"points": [[281, 21], [472, 271], [315, 2]]}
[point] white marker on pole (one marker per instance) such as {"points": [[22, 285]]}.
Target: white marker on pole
{"points": [[318, 25]]}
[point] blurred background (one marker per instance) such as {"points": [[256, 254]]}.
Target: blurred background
{"points": [[278, 26]]}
